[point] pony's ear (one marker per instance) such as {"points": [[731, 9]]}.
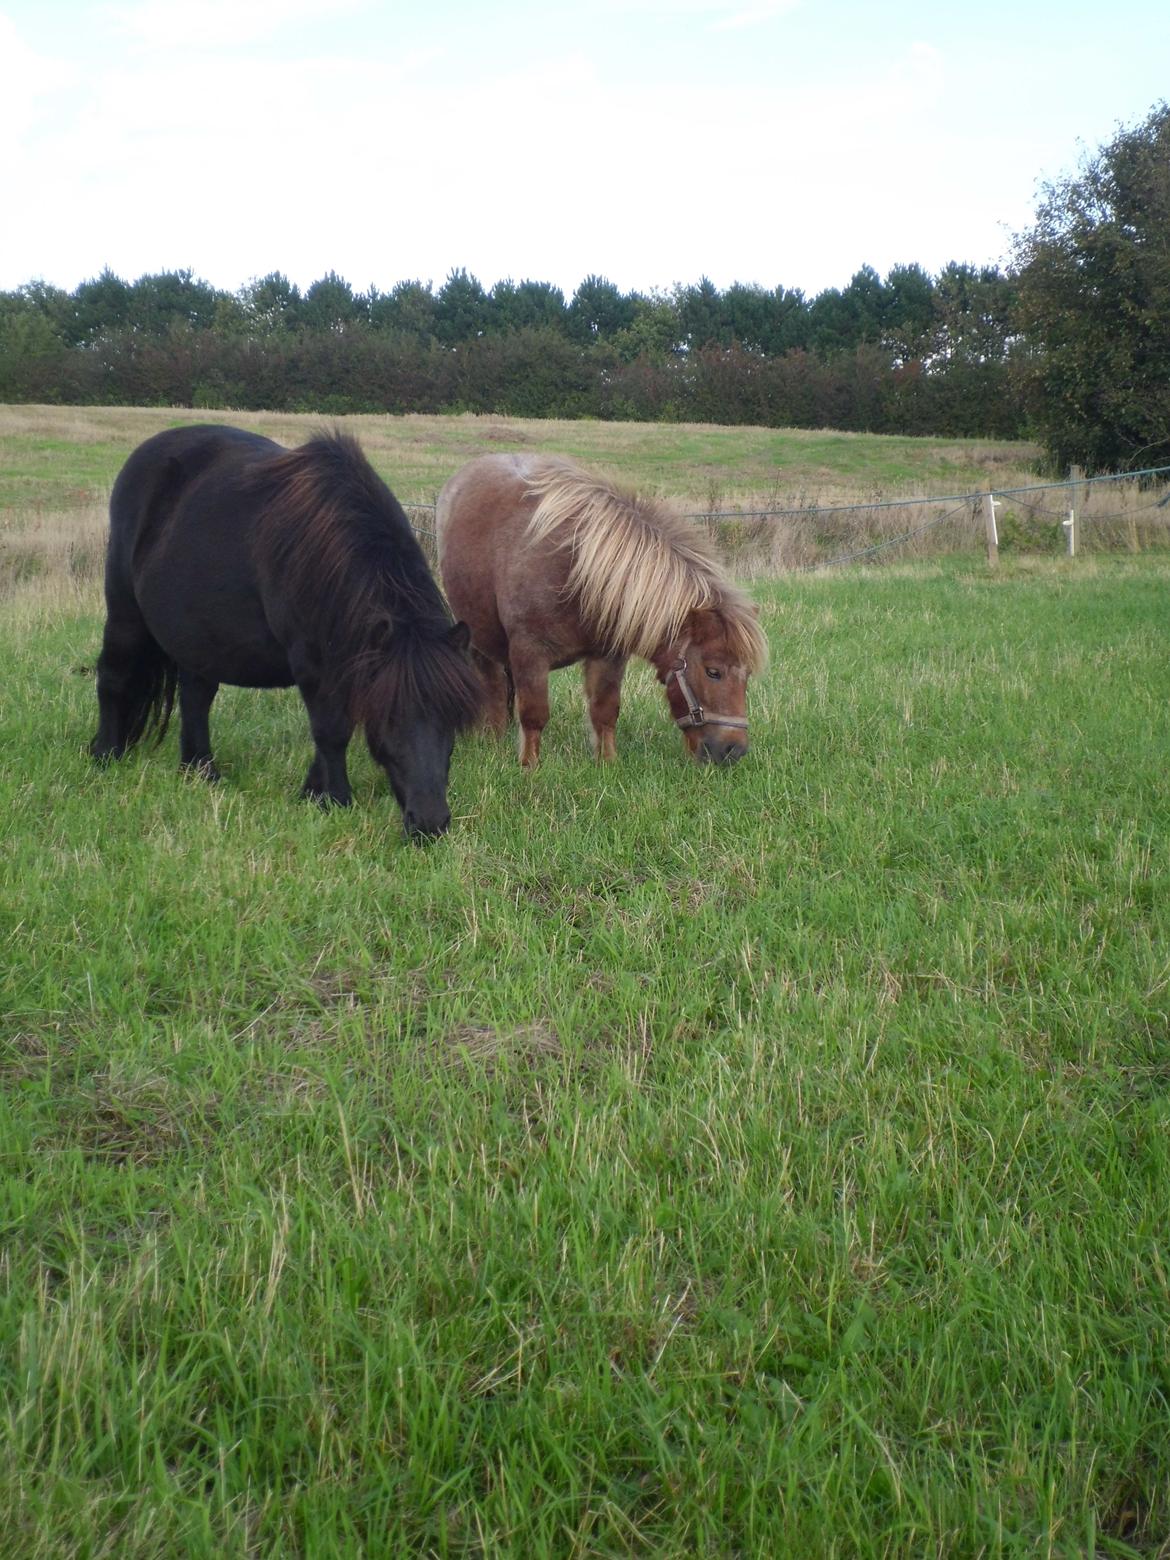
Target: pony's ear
{"points": [[459, 637]]}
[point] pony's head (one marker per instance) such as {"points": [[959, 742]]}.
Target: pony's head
{"points": [[423, 692], [705, 673]]}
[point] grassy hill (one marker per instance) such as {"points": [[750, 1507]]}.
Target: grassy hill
{"points": [[64, 456]]}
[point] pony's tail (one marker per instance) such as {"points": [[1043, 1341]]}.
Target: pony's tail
{"points": [[149, 696]]}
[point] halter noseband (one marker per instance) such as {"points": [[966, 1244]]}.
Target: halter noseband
{"points": [[696, 716]]}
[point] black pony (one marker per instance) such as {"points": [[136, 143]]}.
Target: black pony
{"points": [[234, 560]]}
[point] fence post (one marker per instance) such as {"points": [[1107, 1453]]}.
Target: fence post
{"points": [[1078, 498], [989, 504], [1070, 528]]}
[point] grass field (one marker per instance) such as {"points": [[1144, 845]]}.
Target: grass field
{"points": [[67, 457], [667, 1162]]}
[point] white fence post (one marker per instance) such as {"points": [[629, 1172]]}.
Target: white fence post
{"points": [[1070, 530], [989, 504]]}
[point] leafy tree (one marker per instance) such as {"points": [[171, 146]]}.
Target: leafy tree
{"points": [[462, 308], [790, 321], [769, 323], [271, 303], [525, 305], [908, 313], [975, 308], [653, 331], [31, 353], [51, 305], [746, 317], [700, 313], [330, 305], [842, 319], [598, 311], [169, 298], [408, 309], [103, 304], [1094, 288]]}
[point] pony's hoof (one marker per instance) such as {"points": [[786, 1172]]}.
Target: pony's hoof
{"points": [[201, 769], [326, 799]]}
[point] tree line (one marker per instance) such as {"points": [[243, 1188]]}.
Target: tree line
{"points": [[908, 353], [1069, 344]]}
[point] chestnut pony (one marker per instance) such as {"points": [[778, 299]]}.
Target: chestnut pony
{"points": [[549, 564], [233, 560]]}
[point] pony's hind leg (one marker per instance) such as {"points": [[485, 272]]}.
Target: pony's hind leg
{"points": [[135, 683], [603, 690], [195, 697]]}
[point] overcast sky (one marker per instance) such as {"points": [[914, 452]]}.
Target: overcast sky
{"points": [[648, 141]]}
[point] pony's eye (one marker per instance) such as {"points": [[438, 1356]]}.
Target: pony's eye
{"points": [[713, 673]]}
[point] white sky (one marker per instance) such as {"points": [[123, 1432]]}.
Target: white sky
{"points": [[649, 141]]}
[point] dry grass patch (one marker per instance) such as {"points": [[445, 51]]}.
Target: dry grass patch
{"points": [[495, 1049], [58, 546]]}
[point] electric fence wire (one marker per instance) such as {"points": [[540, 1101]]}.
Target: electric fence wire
{"points": [[890, 541], [1089, 517], [815, 511], [961, 501]]}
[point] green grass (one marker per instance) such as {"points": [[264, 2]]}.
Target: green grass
{"points": [[667, 1162], [64, 458]]}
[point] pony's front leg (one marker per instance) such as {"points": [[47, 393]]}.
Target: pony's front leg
{"points": [[327, 779], [331, 726], [497, 693], [603, 689], [530, 670], [195, 699]]}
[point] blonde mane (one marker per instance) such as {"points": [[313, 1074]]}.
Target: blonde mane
{"points": [[639, 569]]}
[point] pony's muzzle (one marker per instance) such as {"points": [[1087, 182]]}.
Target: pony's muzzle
{"points": [[421, 827], [721, 750]]}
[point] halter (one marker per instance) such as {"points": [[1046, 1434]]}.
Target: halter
{"points": [[696, 716]]}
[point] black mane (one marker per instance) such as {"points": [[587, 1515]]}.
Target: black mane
{"points": [[356, 575]]}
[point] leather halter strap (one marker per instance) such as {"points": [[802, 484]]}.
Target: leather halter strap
{"points": [[696, 715]]}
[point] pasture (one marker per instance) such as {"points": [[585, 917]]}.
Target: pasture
{"points": [[667, 1161]]}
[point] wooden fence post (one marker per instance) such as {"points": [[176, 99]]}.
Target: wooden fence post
{"points": [[992, 533]]}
